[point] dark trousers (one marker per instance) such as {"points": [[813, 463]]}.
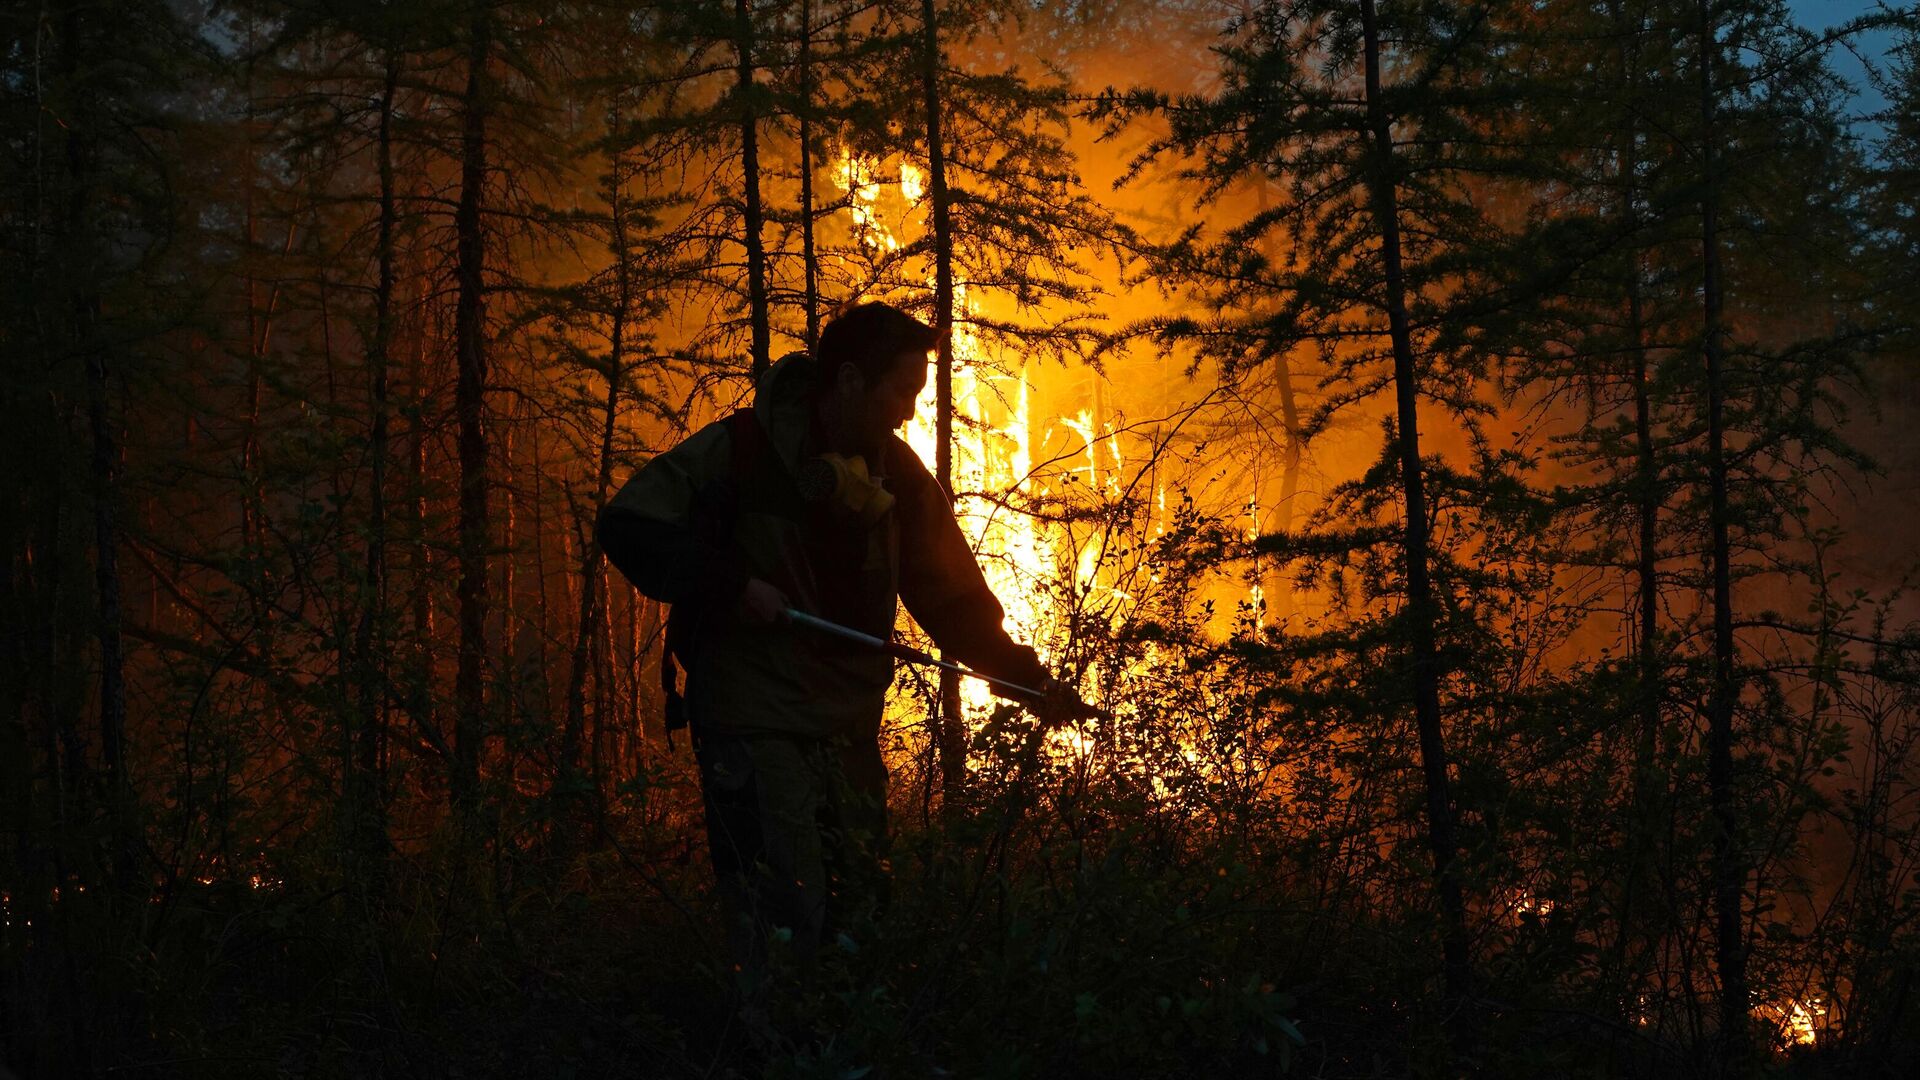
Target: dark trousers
{"points": [[797, 830]]}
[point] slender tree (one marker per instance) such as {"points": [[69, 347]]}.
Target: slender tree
{"points": [[1370, 146], [1730, 953], [470, 350], [1383, 201], [752, 218]]}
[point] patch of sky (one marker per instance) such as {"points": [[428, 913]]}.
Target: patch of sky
{"points": [[1857, 55]]}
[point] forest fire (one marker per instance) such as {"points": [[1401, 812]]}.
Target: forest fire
{"points": [[1026, 558], [1439, 467], [1799, 1021]]}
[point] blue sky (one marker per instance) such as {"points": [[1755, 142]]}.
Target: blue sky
{"points": [[1822, 14]]}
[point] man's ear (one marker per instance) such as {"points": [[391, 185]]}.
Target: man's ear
{"points": [[849, 381]]}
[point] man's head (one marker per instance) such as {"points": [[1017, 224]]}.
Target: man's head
{"points": [[869, 368]]}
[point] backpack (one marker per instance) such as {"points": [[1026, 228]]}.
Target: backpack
{"points": [[752, 451]]}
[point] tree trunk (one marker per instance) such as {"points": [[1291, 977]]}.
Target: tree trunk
{"points": [[420, 702], [1646, 777], [1278, 515], [509, 672], [106, 575], [1422, 612], [750, 181], [950, 724], [590, 591], [601, 647], [809, 260], [1729, 873], [470, 409], [635, 731], [84, 311], [251, 497], [366, 799]]}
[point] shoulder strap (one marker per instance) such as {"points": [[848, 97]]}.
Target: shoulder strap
{"points": [[749, 451], [751, 446], [760, 475]]}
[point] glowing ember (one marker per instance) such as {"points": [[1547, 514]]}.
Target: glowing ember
{"points": [[1530, 905]]}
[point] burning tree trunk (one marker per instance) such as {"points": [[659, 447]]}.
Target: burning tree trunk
{"points": [[470, 408], [1422, 612]]}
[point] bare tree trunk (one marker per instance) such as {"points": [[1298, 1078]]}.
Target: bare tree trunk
{"points": [[420, 599], [513, 623], [1290, 465], [591, 593], [600, 658], [251, 496], [106, 576], [366, 797], [42, 863], [1646, 778], [548, 611], [1278, 515], [950, 731], [1647, 480], [470, 408], [1422, 611], [84, 313], [750, 181], [638, 759], [1729, 871], [65, 751]]}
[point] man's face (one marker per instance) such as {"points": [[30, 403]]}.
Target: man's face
{"points": [[888, 403]]}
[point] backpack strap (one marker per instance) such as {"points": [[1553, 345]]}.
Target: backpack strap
{"points": [[751, 447], [749, 450]]}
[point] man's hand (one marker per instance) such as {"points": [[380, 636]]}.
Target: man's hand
{"points": [[760, 604], [1059, 703]]}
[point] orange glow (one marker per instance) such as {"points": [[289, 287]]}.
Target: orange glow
{"points": [[1010, 454], [1795, 1021], [994, 460], [1534, 906]]}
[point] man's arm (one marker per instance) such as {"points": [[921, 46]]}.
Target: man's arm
{"points": [[650, 531], [942, 586]]}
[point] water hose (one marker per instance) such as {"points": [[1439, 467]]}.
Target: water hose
{"points": [[1018, 692]]}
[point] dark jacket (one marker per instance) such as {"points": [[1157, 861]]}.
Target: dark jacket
{"points": [[692, 525]]}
